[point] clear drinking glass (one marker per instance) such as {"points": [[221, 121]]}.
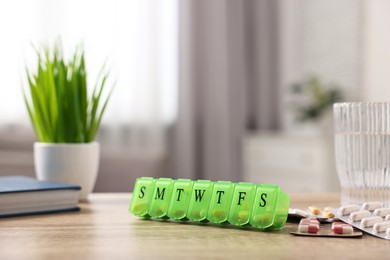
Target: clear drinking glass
{"points": [[362, 147]]}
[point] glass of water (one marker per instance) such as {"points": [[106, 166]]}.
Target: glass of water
{"points": [[362, 149]]}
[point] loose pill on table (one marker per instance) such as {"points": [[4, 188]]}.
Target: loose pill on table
{"points": [[381, 212], [370, 221], [387, 218], [314, 210], [348, 209], [381, 226], [372, 205], [342, 228], [359, 215]]}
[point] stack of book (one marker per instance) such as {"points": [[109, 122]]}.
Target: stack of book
{"points": [[20, 195]]}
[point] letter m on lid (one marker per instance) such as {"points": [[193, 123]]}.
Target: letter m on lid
{"points": [[160, 193]]}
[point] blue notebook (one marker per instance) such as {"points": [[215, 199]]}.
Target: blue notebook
{"points": [[20, 195]]}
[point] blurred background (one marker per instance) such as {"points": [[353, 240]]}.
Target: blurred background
{"points": [[222, 90]]}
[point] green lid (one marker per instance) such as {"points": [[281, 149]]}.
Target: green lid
{"points": [[281, 214], [142, 194], [200, 200], [161, 198], [220, 201], [242, 203], [264, 206], [182, 190]]}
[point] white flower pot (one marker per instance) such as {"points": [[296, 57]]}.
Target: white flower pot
{"points": [[75, 163]]}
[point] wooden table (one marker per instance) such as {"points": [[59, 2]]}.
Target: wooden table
{"points": [[104, 229]]}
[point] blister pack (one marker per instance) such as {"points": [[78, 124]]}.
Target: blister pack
{"points": [[312, 227], [370, 217]]}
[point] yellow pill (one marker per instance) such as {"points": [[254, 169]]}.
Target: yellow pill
{"points": [[198, 214], [140, 208], [262, 219], [242, 216], [328, 214], [314, 210], [279, 221], [219, 214], [159, 211], [179, 213]]}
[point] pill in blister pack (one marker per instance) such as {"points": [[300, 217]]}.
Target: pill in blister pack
{"points": [[346, 210], [370, 221], [381, 226], [311, 227], [323, 216], [339, 227], [372, 205], [370, 217], [382, 212], [359, 215]]}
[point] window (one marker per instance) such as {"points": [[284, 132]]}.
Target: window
{"points": [[138, 38]]}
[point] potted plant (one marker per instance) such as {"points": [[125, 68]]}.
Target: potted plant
{"points": [[65, 114], [314, 101]]}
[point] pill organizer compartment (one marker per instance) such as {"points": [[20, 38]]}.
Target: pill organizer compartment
{"points": [[220, 203], [241, 204], [262, 214], [178, 206], [161, 198], [282, 204], [200, 200], [142, 196]]}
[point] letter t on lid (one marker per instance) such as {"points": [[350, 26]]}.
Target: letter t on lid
{"points": [[220, 201]]}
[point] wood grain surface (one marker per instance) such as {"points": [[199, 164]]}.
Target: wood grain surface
{"points": [[104, 229]]}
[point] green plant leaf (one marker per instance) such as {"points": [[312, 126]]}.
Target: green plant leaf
{"points": [[57, 99]]}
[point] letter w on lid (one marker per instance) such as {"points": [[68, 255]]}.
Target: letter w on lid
{"points": [[200, 200], [199, 195]]}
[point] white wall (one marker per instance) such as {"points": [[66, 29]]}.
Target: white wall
{"points": [[376, 59], [324, 38]]}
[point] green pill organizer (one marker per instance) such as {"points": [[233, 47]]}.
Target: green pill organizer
{"points": [[242, 204]]}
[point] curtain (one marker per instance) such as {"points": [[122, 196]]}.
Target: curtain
{"points": [[228, 84]]}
